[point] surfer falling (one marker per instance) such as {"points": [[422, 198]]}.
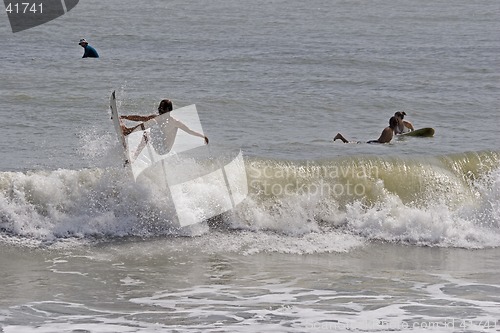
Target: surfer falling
{"points": [[172, 124]]}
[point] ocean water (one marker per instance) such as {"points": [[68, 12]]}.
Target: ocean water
{"points": [[332, 237]]}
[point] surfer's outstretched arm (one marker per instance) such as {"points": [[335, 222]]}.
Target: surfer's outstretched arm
{"points": [[138, 118], [186, 129], [127, 130]]}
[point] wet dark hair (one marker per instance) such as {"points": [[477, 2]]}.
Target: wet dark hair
{"points": [[393, 122], [400, 114], [165, 106]]}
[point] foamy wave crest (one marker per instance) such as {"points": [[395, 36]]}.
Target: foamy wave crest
{"points": [[46, 206], [439, 201], [448, 201]]}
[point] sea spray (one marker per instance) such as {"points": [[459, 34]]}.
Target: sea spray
{"points": [[443, 201]]}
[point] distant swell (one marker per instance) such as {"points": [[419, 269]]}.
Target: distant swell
{"points": [[448, 201]]}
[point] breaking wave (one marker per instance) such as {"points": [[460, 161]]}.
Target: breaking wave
{"points": [[446, 201]]}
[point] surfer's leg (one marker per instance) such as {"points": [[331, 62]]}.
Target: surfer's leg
{"points": [[340, 137]]}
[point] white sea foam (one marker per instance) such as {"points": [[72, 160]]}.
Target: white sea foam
{"points": [[64, 206]]}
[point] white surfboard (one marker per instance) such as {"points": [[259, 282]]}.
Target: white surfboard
{"points": [[116, 123]]}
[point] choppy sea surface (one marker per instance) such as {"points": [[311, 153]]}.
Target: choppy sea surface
{"points": [[332, 237]]}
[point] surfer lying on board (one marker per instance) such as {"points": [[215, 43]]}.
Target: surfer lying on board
{"points": [[385, 137], [173, 124], [403, 125]]}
